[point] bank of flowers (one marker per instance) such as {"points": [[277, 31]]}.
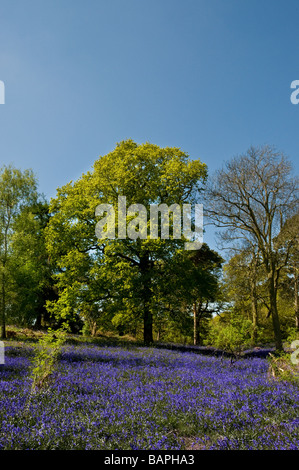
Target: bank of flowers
{"points": [[117, 398]]}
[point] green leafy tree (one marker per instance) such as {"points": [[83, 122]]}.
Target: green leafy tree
{"points": [[128, 268], [31, 282], [46, 357], [192, 288], [230, 333], [244, 279], [17, 190]]}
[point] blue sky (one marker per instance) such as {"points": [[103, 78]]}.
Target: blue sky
{"points": [[209, 76]]}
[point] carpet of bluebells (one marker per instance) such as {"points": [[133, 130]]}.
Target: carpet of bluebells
{"points": [[124, 398]]}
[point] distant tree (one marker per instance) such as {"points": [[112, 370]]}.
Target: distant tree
{"points": [[205, 293], [230, 333], [252, 197], [190, 292], [17, 190], [192, 284], [31, 272], [244, 279]]}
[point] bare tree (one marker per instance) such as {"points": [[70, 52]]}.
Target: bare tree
{"points": [[251, 198]]}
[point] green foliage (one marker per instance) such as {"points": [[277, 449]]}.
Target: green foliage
{"points": [[281, 367], [31, 282], [231, 336], [46, 357], [118, 278], [292, 335], [17, 191]]}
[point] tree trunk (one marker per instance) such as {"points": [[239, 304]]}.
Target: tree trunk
{"points": [[197, 309], [254, 310], [38, 321], [296, 298], [147, 294], [253, 295], [3, 300], [194, 325], [93, 328], [273, 309], [148, 325], [3, 305]]}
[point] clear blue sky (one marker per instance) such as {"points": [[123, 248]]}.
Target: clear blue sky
{"points": [[209, 76]]}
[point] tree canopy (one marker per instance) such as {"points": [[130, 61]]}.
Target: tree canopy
{"points": [[125, 269], [121, 248], [18, 190], [252, 197]]}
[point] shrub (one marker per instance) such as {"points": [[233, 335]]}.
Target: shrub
{"points": [[46, 356], [232, 336], [282, 367]]}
